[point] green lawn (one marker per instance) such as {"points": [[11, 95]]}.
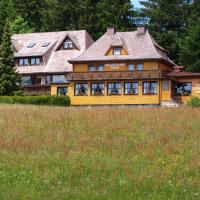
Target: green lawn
{"points": [[83, 154]]}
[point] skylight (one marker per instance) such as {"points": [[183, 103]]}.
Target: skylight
{"points": [[31, 45], [46, 44]]}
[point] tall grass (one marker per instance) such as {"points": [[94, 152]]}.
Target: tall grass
{"points": [[79, 153]]}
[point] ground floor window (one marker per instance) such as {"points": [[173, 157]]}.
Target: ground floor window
{"points": [[166, 85], [114, 88], [149, 87], [130, 88], [62, 91], [183, 89], [97, 88], [81, 89]]}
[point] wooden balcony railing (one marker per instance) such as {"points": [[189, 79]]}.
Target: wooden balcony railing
{"points": [[146, 74], [36, 90]]}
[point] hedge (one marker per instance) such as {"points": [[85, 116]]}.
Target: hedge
{"points": [[194, 102], [36, 100]]}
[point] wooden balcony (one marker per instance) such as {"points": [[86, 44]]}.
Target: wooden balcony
{"points": [[119, 75], [36, 90]]}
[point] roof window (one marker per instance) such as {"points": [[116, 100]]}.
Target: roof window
{"points": [[46, 44], [31, 45]]}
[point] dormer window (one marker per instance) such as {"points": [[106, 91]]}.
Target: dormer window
{"points": [[68, 44], [31, 45], [117, 51], [35, 61]]}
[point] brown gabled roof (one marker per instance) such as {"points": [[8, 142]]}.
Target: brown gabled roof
{"points": [[54, 61], [139, 47]]}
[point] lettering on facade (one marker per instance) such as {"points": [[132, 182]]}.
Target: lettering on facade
{"points": [[115, 65]]}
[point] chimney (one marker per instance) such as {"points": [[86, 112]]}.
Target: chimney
{"points": [[111, 31], [141, 30]]}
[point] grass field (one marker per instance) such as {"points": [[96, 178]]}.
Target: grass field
{"points": [[83, 154]]}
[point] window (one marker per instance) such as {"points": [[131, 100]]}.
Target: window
{"points": [[131, 67], [46, 44], [131, 88], [59, 79], [139, 67], [31, 45], [149, 87], [48, 80], [117, 51], [94, 68], [23, 61], [62, 91], [114, 88], [68, 44], [26, 80], [35, 61], [81, 89], [166, 85], [97, 88], [183, 89]]}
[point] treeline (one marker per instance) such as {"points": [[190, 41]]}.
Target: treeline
{"points": [[175, 24]]}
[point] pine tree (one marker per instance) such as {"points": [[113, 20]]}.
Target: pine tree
{"points": [[167, 22], [6, 12], [190, 48], [9, 79]]}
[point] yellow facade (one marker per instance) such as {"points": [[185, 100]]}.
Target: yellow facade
{"points": [[147, 65], [113, 99], [163, 93], [54, 88]]}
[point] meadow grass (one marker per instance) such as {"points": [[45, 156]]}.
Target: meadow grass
{"points": [[99, 153]]}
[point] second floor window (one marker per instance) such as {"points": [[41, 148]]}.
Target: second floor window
{"points": [[81, 89], [97, 89], [94, 68], [114, 88], [139, 67], [26, 80], [131, 88], [59, 79], [23, 61], [35, 61], [149, 87], [131, 67], [48, 80], [68, 44], [117, 51]]}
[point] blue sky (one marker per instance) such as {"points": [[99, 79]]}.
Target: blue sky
{"points": [[136, 3]]}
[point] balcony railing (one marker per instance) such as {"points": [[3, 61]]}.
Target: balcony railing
{"points": [[37, 90], [146, 74]]}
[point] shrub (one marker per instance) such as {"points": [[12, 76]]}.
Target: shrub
{"points": [[194, 102], [36, 100]]}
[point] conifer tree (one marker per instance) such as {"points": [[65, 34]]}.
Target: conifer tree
{"points": [[190, 48], [9, 79], [167, 22], [20, 26]]}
